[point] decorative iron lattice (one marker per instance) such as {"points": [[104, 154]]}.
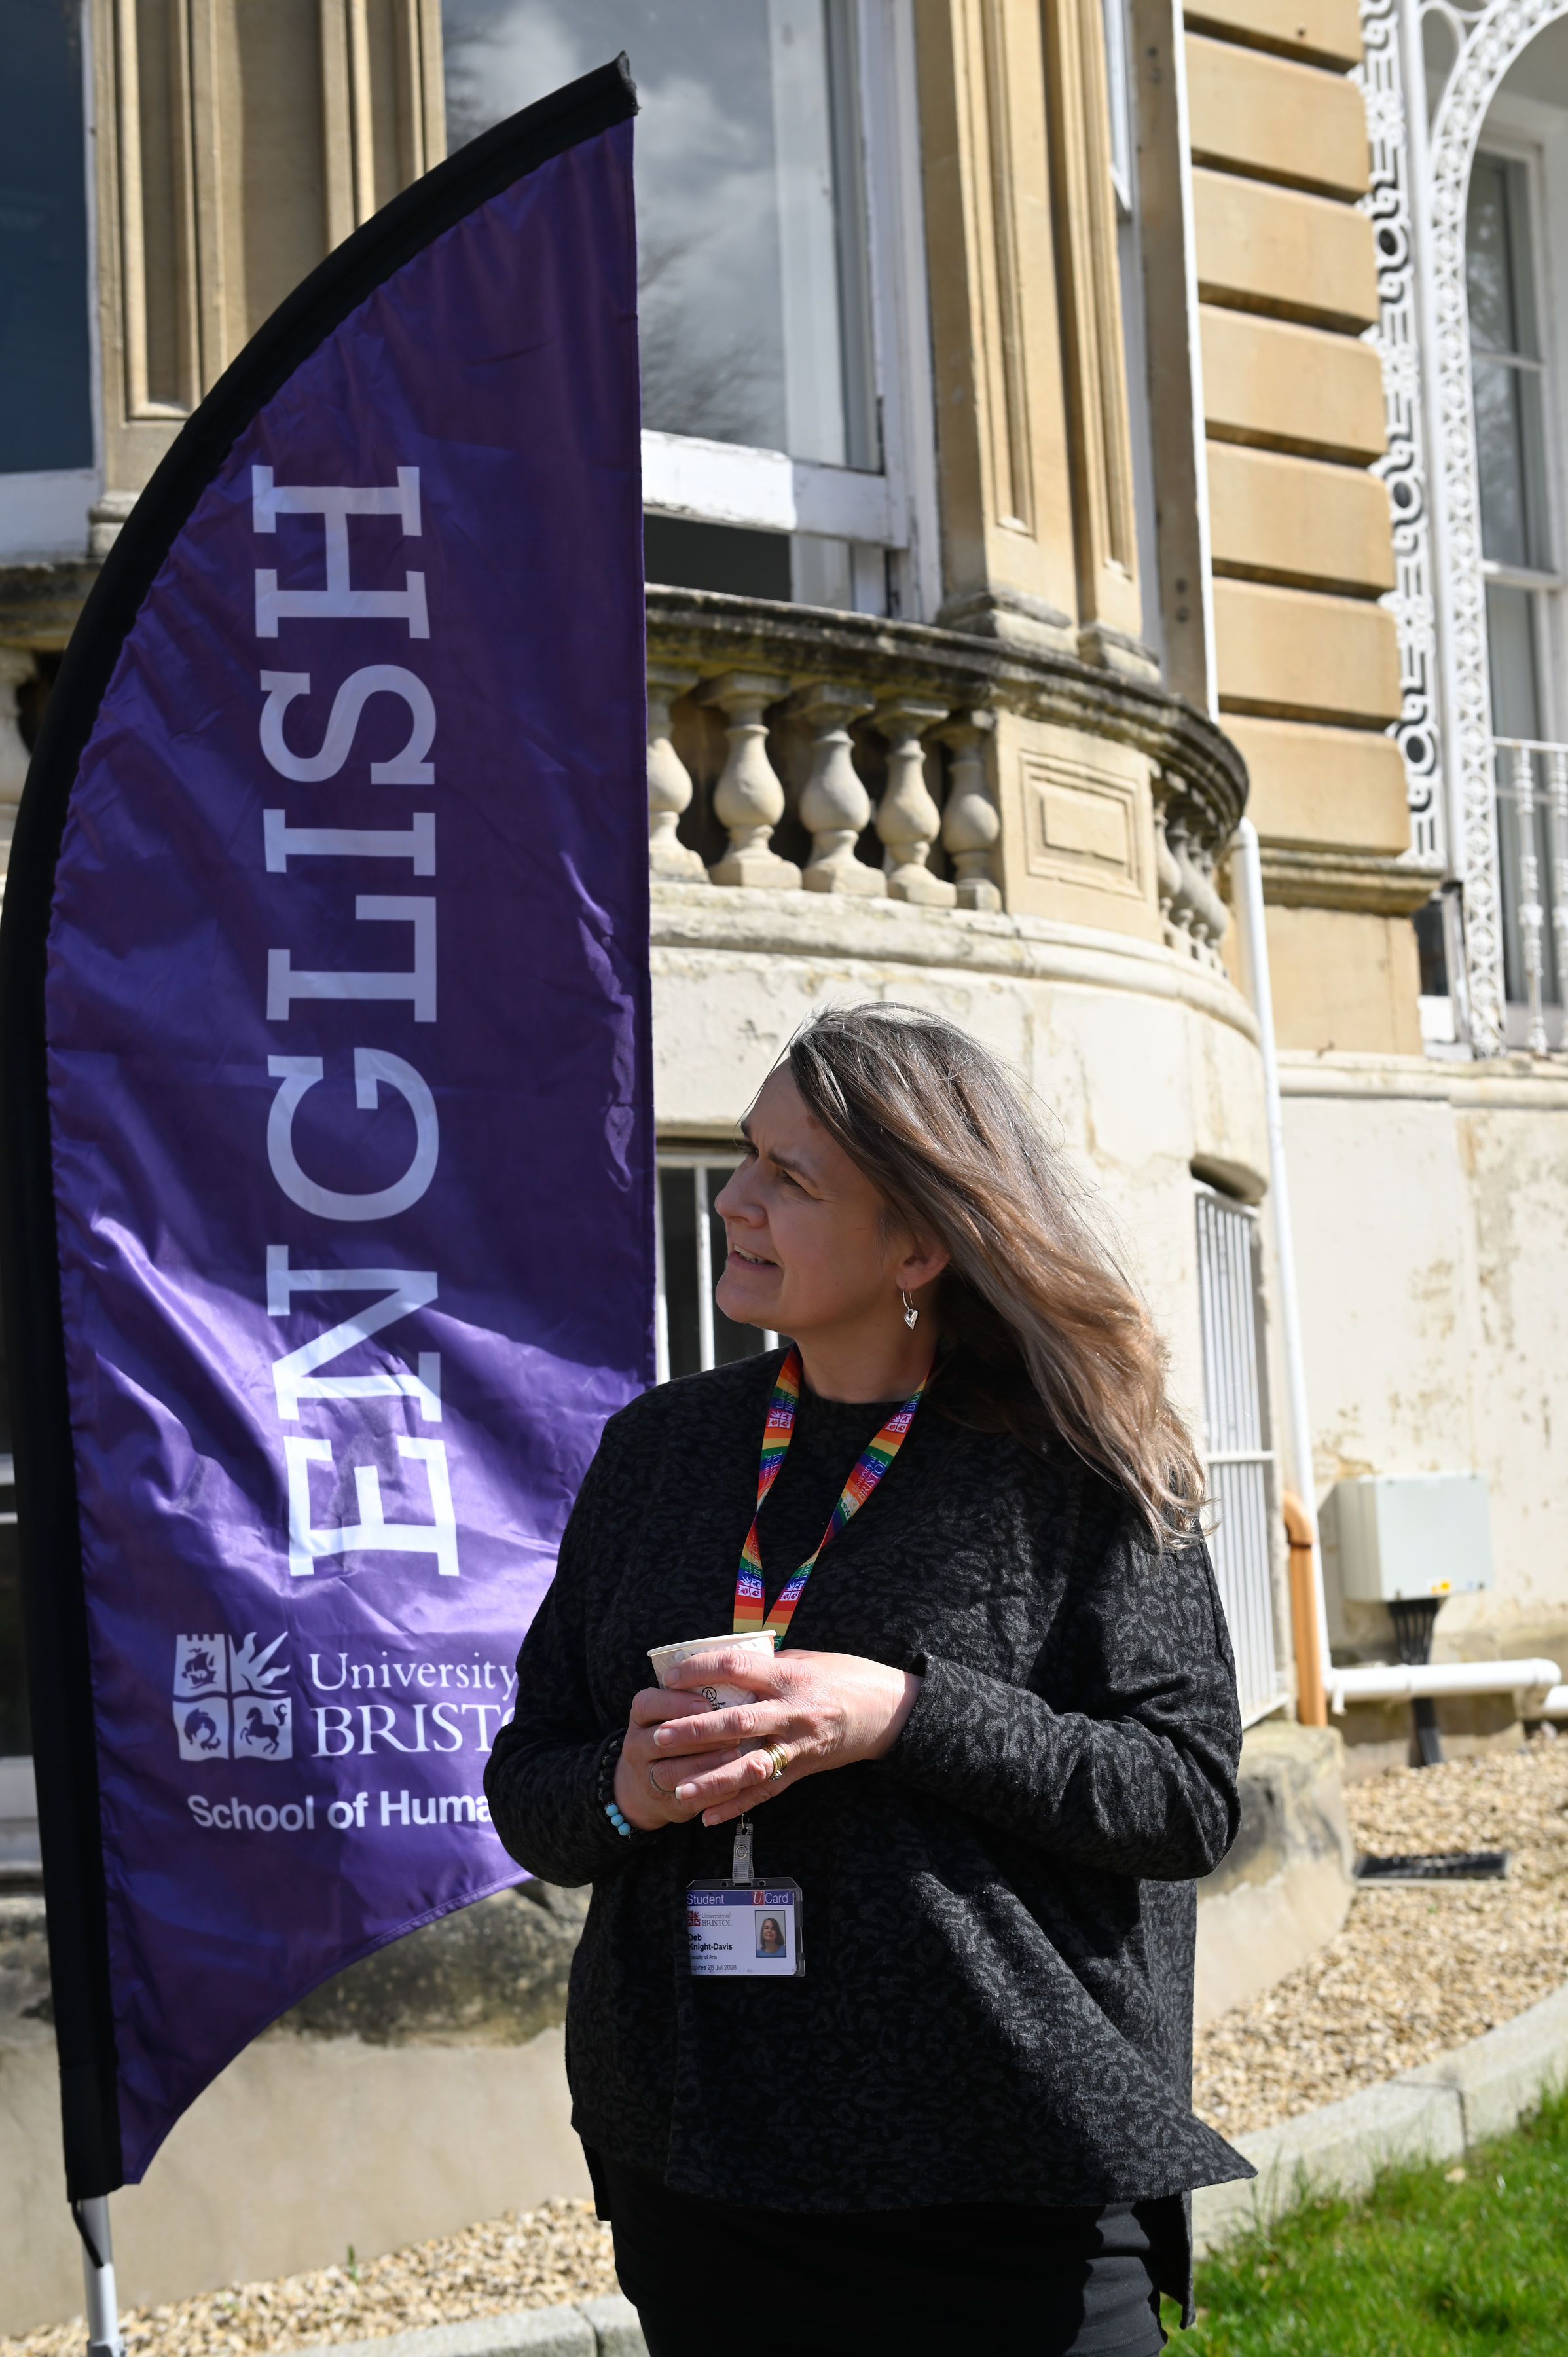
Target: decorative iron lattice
{"points": [[1425, 325], [1489, 40], [1396, 339], [1404, 470]]}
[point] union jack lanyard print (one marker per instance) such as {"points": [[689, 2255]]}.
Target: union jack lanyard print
{"points": [[777, 1434]]}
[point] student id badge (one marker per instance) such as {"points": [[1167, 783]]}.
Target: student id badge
{"points": [[744, 1927]]}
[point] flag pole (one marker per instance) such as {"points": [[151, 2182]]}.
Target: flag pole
{"points": [[104, 2338]]}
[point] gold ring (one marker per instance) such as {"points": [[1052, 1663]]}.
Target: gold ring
{"points": [[781, 1758]]}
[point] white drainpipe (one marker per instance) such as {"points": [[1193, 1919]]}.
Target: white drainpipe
{"points": [[1397, 1682], [1377, 1681]]}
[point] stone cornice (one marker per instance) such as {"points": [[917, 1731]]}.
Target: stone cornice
{"points": [[711, 631], [39, 603], [961, 941], [1367, 882], [1508, 1084]]}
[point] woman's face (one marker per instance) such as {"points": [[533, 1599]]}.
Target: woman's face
{"points": [[808, 1253], [771, 1935]]}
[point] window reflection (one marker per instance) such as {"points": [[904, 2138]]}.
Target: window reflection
{"points": [[1507, 377], [46, 417], [753, 280], [1505, 366], [1516, 712]]}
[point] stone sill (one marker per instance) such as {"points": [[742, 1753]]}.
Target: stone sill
{"points": [[40, 602], [1494, 1084]]}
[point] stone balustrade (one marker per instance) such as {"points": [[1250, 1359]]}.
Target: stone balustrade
{"points": [[816, 718], [1186, 852], [791, 749]]}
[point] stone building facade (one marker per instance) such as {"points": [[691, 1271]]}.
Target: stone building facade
{"points": [[1067, 426], [1051, 437]]}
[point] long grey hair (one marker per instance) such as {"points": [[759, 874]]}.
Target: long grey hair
{"points": [[1056, 1341]]}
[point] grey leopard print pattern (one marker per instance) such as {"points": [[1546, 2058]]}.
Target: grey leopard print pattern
{"points": [[998, 1918]]}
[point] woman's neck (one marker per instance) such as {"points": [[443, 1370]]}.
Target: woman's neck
{"points": [[861, 1366]]}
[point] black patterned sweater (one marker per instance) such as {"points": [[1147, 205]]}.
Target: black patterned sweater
{"points": [[997, 1916]]}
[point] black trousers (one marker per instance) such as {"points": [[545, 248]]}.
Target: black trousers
{"points": [[1043, 2283]]}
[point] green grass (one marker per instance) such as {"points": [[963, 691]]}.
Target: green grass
{"points": [[1428, 2265]]}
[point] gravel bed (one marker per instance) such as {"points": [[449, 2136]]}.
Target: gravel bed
{"points": [[531, 2258], [1415, 1970]]}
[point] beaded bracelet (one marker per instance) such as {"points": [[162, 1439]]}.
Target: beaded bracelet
{"points": [[604, 1786]]}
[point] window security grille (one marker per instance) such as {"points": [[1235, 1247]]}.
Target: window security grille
{"points": [[1240, 1460], [691, 1331]]}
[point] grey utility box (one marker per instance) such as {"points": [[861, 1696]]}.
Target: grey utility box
{"points": [[1408, 1535]]}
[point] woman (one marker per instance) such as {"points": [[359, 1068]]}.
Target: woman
{"points": [[997, 1746]]}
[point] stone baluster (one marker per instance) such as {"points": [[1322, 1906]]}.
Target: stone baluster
{"points": [[669, 782], [836, 806], [907, 819], [1184, 907], [1213, 915], [1198, 909], [1167, 877], [15, 670], [971, 825], [748, 798]]}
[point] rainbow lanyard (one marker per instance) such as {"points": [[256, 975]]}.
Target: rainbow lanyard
{"points": [[777, 1433]]}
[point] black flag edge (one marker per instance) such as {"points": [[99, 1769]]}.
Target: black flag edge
{"points": [[54, 1599]]}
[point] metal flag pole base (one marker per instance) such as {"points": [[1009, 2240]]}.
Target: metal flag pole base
{"points": [[103, 2335]]}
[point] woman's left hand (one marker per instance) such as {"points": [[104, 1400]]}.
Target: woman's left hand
{"points": [[821, 1710]]}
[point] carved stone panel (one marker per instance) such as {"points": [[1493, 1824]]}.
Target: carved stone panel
{"points": [[1077, 841]]}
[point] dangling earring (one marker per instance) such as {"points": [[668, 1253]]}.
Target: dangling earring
{"points": [[910, 1312]]}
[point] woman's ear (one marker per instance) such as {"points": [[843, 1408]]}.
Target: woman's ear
{"points": [[923, 1263]]}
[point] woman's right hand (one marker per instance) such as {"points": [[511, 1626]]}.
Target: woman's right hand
{"points": [[645, 1778]]}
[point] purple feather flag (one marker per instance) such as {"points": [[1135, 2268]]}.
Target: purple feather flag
{"points": [[329, 1137]]}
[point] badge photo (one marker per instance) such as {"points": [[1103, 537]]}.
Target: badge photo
{"points": [[751, 1928]]}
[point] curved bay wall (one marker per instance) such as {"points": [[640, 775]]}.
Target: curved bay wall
{"points": [[1142, 1063]]}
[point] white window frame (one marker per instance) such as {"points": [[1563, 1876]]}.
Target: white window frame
{"points": [[890, 518], [43, 517], [1121, 99], [1523, 131], [1517, 131]]}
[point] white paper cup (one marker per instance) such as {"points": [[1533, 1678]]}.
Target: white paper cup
{"points": [[718, 1698]]}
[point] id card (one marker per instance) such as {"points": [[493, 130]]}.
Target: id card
{"points": [[745, 1927]]}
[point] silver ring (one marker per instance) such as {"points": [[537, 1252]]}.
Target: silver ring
{"points": [[781, 1758], [657, 1786]]}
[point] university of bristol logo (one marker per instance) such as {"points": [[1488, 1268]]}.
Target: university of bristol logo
{"points": [[226, 1703]]}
